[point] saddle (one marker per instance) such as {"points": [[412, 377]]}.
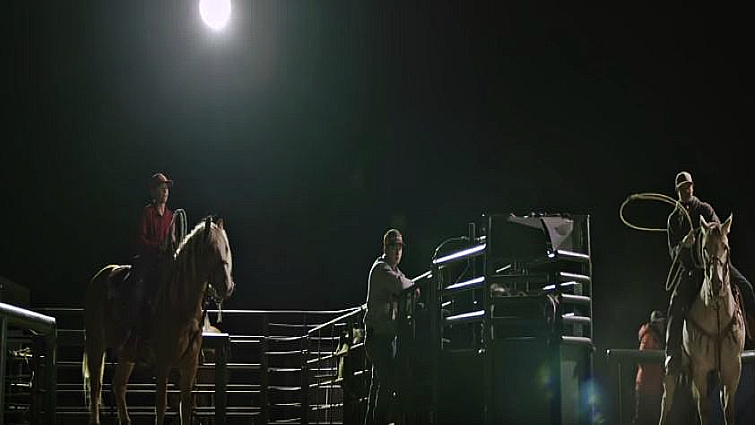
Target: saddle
{"points": [[128, 296]]}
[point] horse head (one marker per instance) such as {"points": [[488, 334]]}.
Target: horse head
{"points": [[204, 256], [715, 255], [220, 283]]}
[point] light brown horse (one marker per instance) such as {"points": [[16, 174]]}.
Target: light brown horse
{"points": [[714, 332], [200, 267]]}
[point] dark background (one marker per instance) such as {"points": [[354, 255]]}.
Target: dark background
{"points": [[312, 127]]}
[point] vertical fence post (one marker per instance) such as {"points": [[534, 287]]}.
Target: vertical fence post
{"points": [[3, 356], [221, 376], [304, 375], [51, 373], [35, 394], [264, 372], [347, 384], [614, 373]]}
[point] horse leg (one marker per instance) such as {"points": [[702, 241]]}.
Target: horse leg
{"points": [[188, 373], [700, 393], [120, 381], [161, 396], [93, 365], [729, 384], [669, 387]]}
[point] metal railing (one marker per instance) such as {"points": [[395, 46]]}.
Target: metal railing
{"points": [[12, 316], [261, 368], [328, 346]]}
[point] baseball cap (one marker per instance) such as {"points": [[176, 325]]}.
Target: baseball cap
{"points": [[683, 177], [159, 178], [392, 236]]}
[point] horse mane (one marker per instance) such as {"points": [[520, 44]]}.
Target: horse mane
{"points": [[196, 237], [184, 268]]}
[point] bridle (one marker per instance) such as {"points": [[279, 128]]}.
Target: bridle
{"points": [[714, 284], [715, 267]]}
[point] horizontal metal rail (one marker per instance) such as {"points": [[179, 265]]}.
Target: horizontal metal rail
{"points": [[576, 320], [575, 299], [561, 254], [470, 317], [460, 255], [349, 313], [467, 285]]}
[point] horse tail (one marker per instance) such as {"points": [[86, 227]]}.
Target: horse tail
{"points": [[93, 337], [86, 373]]}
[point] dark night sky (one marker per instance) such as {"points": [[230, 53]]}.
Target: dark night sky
{"points": [[312, 127]]}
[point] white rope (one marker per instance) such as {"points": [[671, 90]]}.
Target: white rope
{"points": [[675, 271]]}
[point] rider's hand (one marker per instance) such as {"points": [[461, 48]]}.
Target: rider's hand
{"points": [[688, 240]]}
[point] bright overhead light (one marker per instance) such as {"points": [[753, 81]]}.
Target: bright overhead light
{"points": [[215, 13]]}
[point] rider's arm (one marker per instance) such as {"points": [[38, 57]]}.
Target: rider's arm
{"points": [[674, 238], [677, 229], [707, 211], [393, 280]]}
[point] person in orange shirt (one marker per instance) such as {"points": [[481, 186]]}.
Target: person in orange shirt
{"points": [[649, 381]]}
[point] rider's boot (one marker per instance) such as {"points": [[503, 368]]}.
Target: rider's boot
{"points": [[673, 344]]}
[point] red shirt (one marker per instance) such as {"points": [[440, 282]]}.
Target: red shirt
{"points": [[153, 228], [649, 378]]}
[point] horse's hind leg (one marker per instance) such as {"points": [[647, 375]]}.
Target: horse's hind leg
{"points": [[94, 359], [120, 380], [161, 394], [669, 387]]}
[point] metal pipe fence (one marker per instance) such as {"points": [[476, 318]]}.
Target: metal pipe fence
{"points": [[45, 326], [272, 366]]}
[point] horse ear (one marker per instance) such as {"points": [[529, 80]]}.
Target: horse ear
{"points": [[207, 225], [703, 223], [727, 225], [219, 223]]}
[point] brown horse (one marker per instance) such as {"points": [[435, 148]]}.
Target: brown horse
{"points": [[200, 267], [714, 332]]}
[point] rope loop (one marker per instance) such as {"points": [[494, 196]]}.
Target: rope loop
{"points": [[675, 271]]}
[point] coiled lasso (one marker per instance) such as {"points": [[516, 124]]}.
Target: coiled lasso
{"points": [[675, 271]]}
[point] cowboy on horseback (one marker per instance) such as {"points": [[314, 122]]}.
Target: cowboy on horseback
{"points": [[156, 239], [681, 242]]}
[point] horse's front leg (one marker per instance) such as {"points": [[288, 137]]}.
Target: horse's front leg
{"points": [[161, 394], [188, 374], [729, 384], [669, 387], [700, 393], [120, 380]]}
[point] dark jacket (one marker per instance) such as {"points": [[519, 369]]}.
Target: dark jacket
{"points": [[678, 227]]}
